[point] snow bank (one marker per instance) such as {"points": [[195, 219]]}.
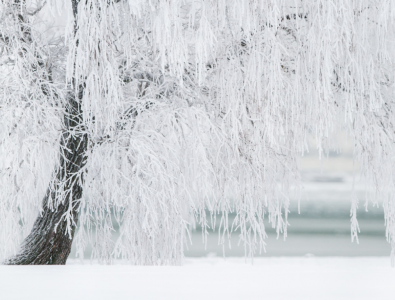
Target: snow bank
{"points": [[207, 278]]}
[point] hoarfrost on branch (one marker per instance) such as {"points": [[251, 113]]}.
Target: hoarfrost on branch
{"points": [[187, 106]]}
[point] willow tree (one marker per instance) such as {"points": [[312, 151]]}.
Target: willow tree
{"points": [[153, 112]]}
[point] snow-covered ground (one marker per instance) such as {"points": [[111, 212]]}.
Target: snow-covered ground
{"points": [[272, 278]]}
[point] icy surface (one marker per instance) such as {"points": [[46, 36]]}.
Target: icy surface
{"points": [[206, 278]]}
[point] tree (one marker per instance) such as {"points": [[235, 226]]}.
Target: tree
{"points": [[153, 112]]}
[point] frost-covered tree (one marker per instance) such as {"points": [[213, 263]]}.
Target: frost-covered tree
{"points": [[151, 112]]}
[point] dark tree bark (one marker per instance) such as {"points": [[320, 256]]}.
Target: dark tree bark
{"points": [[50, 241]]}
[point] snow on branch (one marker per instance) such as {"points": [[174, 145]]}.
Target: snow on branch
{"points": [[191, 109]]}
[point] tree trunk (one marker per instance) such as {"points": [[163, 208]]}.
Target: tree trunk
{"points": [[49, 242]]}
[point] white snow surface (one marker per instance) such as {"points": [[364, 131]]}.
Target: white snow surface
{"points": [[206, 278]]}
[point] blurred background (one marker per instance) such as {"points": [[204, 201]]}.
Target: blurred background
{"points": [[323, 226]]}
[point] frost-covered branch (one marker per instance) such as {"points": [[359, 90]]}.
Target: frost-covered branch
{"points": [[161, 111]]}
